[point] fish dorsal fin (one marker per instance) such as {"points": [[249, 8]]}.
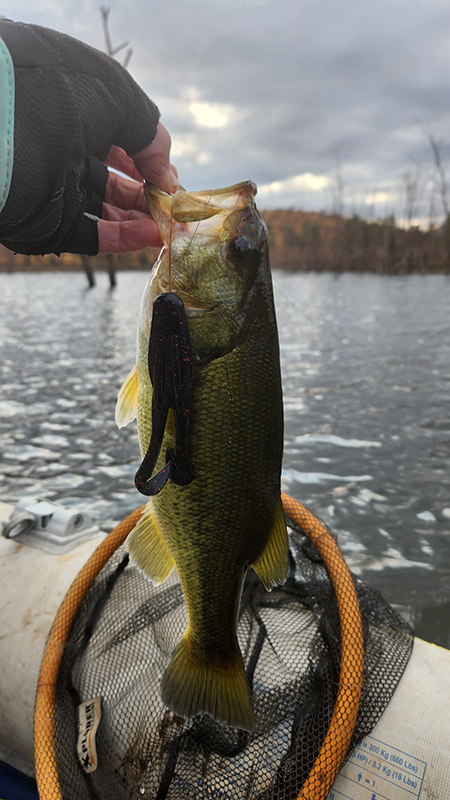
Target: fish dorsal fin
{"points": [[148, 549], [272, 565], [127, 400]]}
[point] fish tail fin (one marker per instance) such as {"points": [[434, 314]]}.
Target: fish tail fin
{"points": [[191, 686]]}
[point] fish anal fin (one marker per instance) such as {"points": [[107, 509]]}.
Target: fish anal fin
{"points": [[148, 549], [272, 565], [193, 685], [127, 400]]}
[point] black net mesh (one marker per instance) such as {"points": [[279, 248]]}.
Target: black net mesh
{"points": [[120, 644]]}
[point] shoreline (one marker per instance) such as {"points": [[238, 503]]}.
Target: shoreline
{"points": [[299, 241], [274, 267]]}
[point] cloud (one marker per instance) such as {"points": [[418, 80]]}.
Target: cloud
{"points": [[211, 115], [378, 197], [188, 150], [291, 191], [283, 87], [304, 181]]}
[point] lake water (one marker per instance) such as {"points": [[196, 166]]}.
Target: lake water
{"points": [[366, 377]]}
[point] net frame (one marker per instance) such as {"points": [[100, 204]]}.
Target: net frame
{"points": [[44, 710], [338, 737]]}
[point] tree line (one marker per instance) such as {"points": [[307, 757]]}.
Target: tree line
{"points": [[298, 241]]}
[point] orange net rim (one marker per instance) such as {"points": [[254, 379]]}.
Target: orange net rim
{"points": [[343, 721], [44, 709], [342, 724]]}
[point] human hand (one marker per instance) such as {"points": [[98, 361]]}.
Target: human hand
{"points": [[126, 224], [70, 106]]}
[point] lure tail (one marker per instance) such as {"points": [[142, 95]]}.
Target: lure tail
{"points": [[169, 367], [192, 685]]}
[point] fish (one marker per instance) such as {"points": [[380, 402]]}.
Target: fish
{"points": [[227, 516]]}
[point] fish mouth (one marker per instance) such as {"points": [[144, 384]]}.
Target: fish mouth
{"points": [[185, 217], [200, 214]]}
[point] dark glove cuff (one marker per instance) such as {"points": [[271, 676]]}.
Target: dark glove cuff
{"points": [[71, 231], [84, 239]]}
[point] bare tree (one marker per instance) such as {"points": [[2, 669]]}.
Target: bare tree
{"points": [[440, 173], [432, 209], [369, 206], [337, 187], [410, 185], [112, 51], [86, 261]]}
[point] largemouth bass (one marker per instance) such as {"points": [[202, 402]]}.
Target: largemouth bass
{"points": [[229, 517]]}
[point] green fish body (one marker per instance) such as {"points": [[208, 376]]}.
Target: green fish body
{"points": [[230, 516]]}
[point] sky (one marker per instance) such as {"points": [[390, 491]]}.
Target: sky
{"points": [[328, 105]]}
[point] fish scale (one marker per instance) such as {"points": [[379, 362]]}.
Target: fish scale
{"points": [[229, 517], [227, 495]]}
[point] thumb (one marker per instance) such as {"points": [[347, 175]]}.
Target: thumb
{"points": [[153, 163]]}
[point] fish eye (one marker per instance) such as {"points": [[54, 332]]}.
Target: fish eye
{"points": [[239, 247]]}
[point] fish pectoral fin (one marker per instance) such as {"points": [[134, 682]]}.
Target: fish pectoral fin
{"points": [[272, 565], [148, 549], [127, 400], [192, 685]]}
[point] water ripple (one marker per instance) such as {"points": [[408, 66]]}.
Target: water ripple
{"points": [[367, 392]]}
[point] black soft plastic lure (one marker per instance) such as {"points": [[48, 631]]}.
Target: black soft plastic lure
{"points": [[169, 365]]}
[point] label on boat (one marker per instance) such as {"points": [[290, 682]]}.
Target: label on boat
{"points": [[89, 716], [407, 755], [378, 770]]}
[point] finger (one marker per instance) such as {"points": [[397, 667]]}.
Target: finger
{"points": [[153, 162], [118, 159], [125, 193], [114, 214], [128, 236]]}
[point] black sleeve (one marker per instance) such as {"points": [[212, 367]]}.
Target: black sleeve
{"points": [[72, 103]]}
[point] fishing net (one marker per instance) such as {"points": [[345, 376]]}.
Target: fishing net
{"points": [[311, 708]]}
